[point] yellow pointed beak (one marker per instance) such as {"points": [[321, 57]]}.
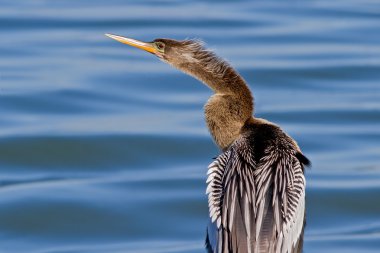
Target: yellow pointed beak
{"points": [[134, 43]]}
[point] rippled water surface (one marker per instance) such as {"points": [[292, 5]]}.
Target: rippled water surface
{"points": [[104, 149]]}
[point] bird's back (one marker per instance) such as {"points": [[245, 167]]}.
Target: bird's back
{"points": [[256, 192]]}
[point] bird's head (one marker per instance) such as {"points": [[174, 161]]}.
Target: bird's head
{"points": [[177, 53]]}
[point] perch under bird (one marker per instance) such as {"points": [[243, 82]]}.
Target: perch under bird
{"points": [[256, 187]]}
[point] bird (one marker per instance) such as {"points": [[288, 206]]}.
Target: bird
{"points": [[256, 186]]}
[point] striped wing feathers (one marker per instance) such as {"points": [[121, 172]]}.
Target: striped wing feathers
{"points": [[257, 207], [215, 186]]}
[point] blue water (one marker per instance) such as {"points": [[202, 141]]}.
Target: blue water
{"points": [[103, 148]]}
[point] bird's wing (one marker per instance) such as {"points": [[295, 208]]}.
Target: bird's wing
{"points": [[256, 204]]}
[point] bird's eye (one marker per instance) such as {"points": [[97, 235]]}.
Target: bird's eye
{"points": [[160, 46]]}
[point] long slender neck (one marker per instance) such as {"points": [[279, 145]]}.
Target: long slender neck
{"points": [[232, 104]]}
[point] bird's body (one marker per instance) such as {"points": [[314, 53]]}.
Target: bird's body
{"points": [[256, 193], [256, 187]]}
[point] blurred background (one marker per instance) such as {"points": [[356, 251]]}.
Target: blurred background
{"points": [[104, 149]]}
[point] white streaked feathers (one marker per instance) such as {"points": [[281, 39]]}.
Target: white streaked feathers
{"points": [[237, 187], [215, 186]]}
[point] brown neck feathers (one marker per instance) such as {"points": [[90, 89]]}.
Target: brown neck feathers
{"points": [[232, 104]]}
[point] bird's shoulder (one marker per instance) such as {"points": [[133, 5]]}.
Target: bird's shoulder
{"points": [[260, 137]]}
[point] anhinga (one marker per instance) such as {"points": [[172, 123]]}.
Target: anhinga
{"points": [[256, 187]]}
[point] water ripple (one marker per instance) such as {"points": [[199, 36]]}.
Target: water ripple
{"points": [[105, 149]]}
